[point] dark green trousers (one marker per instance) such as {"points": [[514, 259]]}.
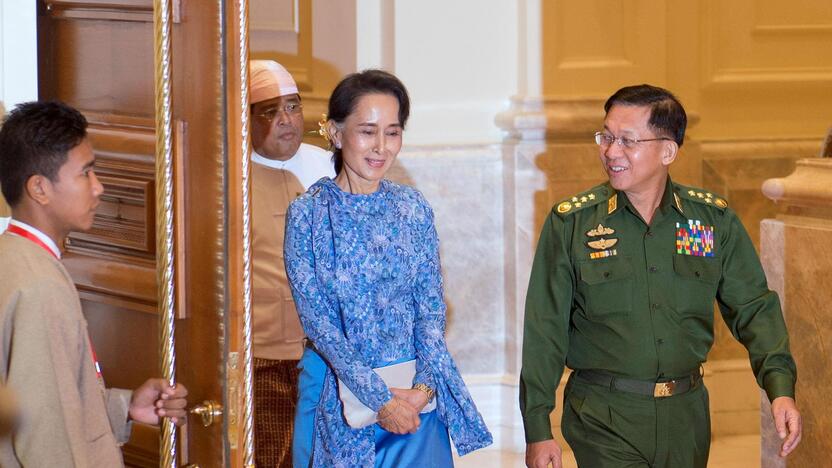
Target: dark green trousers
{"points": [[611, 428]]}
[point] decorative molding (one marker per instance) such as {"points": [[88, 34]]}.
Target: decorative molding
{"points": [[143, 449], [124, 222], [809, 185], [758, 148], [616, 53], [741, 77], [123, 10], [302, 76], [258, 23], [124, 218], [728, 77], [595, 63], [102, 279], [791, 29]]}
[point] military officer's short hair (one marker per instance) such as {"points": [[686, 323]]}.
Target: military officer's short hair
{"points": [[667, 116]]}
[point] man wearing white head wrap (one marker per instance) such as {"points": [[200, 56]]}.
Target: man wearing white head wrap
{"points": [[283, 169]]}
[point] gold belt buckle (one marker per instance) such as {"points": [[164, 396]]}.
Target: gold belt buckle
{"points": [[664, 389]]}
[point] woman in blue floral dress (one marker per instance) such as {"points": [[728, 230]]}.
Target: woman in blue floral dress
{"points": [[362, 258]]}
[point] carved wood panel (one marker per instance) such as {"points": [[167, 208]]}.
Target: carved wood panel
{"points": [[124, 222], [98, 57]]}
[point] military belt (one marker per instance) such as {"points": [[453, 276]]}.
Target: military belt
{"points": [[641, 387]]}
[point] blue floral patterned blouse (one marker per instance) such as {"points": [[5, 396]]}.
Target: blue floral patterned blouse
{"points": [[365, 275]]}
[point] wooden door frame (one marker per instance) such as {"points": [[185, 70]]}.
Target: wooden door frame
{"points": [[233, 269]]}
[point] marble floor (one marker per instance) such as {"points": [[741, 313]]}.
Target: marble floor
{"points": [[726, 452]]}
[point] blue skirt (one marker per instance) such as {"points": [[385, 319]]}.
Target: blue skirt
{"points": [[430, 446]]}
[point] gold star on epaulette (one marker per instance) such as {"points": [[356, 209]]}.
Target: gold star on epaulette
{"points": [[692, 193], [584, 199], [574, 199], [591, 196]]}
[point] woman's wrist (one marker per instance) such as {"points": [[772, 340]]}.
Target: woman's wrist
{"points": [[424, 388]]}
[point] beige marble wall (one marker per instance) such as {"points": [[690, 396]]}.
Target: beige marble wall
{"points": [[464, 185], [736, 169], [797, 264], [803, 271]]}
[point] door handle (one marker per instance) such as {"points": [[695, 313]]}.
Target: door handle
{"points": [[209, 410]]}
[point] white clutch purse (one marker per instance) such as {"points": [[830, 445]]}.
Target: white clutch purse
{"points": [[399, 375]]}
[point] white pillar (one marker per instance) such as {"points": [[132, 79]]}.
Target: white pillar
{"points": [[375, 34], [18, 52]]}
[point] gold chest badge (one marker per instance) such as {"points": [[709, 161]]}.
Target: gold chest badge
{"points": [[600, 241]]}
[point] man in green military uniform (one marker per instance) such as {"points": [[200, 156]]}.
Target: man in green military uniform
{"points": [[622, 291]]}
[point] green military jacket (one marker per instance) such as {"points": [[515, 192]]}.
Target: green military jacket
{"points": [[611, 293]]}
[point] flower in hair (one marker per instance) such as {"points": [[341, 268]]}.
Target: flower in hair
{"points": [[322, 131]]}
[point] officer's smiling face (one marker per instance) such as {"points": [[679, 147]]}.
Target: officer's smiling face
{"points": [[643, 167]]}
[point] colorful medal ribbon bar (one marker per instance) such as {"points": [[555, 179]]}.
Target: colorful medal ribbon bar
{"points": [[695, 239]]}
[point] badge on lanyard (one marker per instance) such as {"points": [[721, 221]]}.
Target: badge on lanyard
{"points": [[695, 239]]}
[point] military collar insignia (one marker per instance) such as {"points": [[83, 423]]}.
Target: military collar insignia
{"points": [[695, 239], [678, 202], [612, 203]]}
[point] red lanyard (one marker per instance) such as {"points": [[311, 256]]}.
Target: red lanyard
{"points": [[28, 235]]}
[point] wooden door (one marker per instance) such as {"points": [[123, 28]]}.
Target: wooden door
{"points": [[101, 56]]}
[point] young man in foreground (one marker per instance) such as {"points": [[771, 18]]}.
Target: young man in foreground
{"points": [[67, 416]]}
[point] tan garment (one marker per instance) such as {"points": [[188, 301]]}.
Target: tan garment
{"points": [[68, 418], [276, 330]]}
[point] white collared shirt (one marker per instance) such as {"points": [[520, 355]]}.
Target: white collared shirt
{"points": [[40, 235], [309, 164]]}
